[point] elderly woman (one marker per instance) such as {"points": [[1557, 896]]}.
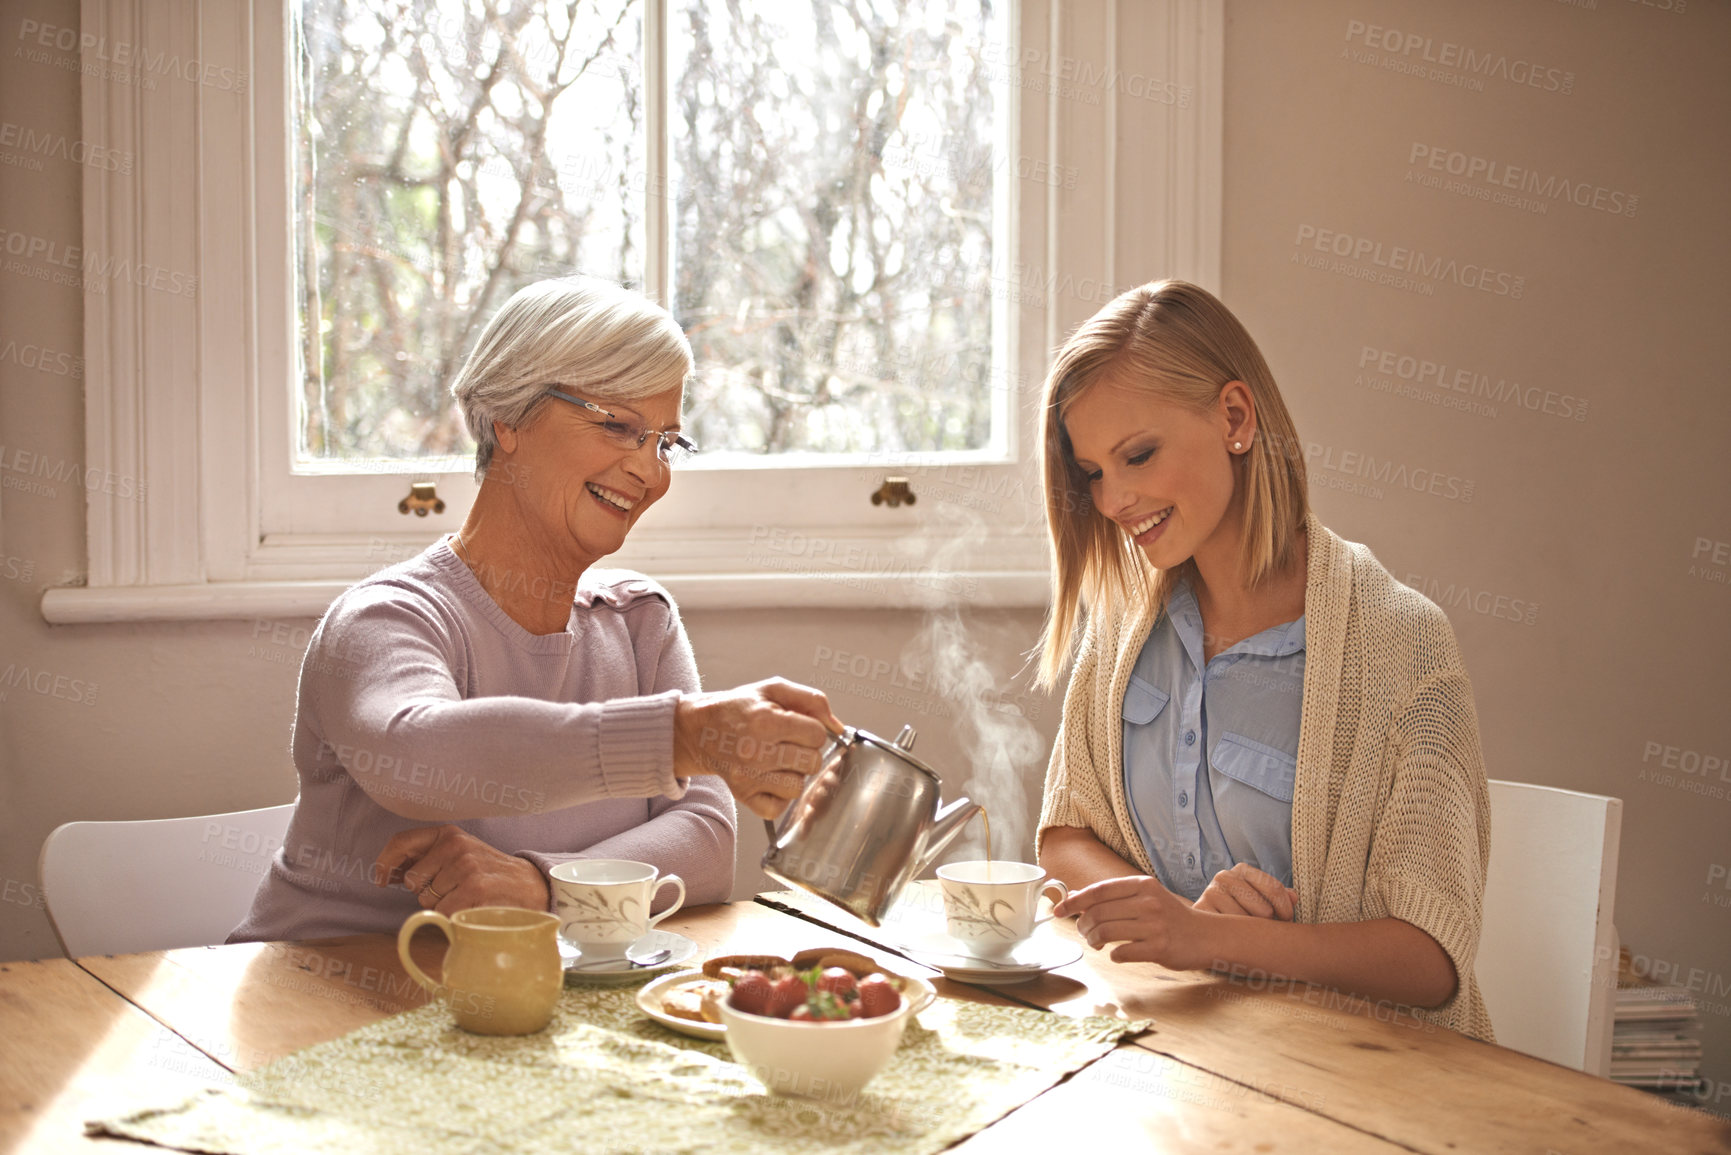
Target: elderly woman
{"points": [[1268, 761], [497, 705]]}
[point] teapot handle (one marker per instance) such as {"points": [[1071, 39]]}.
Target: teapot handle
{"points": [[845, 738]]}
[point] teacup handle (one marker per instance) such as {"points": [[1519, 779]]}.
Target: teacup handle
{"points": [[1063, 893], [415, 921], [656, 889]]}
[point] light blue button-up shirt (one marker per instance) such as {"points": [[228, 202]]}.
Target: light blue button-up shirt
{"points": [[1211, 749]]}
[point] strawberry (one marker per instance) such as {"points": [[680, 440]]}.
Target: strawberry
{"points": [[785, 993], [838, 981], [877, 996], [803, 1014], [751, 993]]}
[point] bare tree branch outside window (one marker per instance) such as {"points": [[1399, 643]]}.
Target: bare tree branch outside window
{"points": [[830, 201]]}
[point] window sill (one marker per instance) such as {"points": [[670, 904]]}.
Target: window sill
{"points": [[833, 590]]}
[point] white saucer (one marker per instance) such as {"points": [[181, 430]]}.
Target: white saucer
{"points": [[617, 971], [1027, 962], [649, 1002]]}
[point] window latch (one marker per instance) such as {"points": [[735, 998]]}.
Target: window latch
{"points": [[421, 500], [893, 492]]}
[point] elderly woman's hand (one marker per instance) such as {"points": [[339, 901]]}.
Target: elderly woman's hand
{"points": [[450, 869], [762, 740]]}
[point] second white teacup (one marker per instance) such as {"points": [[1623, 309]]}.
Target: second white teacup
{"points": [[991, 906], [603, 903]]}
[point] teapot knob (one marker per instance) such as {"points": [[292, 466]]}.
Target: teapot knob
{"points": [[905, 740]]}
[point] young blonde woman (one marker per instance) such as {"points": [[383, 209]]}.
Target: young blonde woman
{"points": [[1268, 761]]}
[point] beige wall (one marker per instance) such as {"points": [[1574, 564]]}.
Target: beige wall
{"points": [[1595, 522]]}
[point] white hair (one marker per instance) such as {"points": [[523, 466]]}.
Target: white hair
{"points": [[588, 335]]}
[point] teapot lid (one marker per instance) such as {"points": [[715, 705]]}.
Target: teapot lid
{"points": [[901, 748]]}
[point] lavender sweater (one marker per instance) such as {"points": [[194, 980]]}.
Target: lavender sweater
{"points": [[421, 702]]}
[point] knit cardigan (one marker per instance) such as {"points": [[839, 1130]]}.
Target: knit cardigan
{"points": [[1390, 810]]}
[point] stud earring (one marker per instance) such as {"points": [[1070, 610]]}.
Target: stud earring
{"points": [[1238, 445]]}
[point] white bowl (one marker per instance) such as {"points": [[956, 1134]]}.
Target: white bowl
{"points": [[830, 1061]]}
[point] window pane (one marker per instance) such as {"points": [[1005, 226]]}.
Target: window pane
{"points": [[448, 154], [832, 178]]}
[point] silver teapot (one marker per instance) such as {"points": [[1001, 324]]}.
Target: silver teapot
{"points": [[867, 822]]}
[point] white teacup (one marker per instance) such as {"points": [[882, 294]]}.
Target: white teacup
{"points": [[990, 906], [603, 903]]}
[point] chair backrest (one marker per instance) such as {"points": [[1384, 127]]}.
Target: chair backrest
{"points": [[124, 887], [1547, 962]]}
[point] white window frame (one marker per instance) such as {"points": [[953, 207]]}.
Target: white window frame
{"points": [[176, 384]]}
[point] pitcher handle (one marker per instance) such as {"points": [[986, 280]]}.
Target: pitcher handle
{"points": [[1063, 893], [415, 921]]}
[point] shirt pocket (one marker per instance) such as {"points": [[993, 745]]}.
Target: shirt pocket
{"points": [[1263, 767], [1143, 702]]}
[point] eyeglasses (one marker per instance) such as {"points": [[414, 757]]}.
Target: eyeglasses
{"points": [[671, 446]]}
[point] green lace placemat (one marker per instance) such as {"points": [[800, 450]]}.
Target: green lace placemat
{"points": [[602, 1077]]}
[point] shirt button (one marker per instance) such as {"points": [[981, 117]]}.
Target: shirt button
{"points": [[1189, 860], [1190, 737], [1183, 799]]}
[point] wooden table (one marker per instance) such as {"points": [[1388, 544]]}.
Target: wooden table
{"points": [[1365, 1067], [113, 1033]]}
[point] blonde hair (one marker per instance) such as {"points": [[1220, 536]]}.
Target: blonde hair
{"points": [[1177, 341], [588, 335]]}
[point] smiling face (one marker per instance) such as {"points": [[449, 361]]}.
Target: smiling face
{"points": [[583, 490], [1164, 472]]}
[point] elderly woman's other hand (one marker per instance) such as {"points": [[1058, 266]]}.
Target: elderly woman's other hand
{"points": [[762, 740], [1245, 890], [450, 869]]}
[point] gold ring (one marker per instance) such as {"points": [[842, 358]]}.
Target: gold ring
{"points": [[437, 897]]}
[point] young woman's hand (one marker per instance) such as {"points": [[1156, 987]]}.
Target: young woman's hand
{"points": [[1150, 923], [1245, 890]]}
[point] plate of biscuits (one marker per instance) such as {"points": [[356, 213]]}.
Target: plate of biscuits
{"points": [[689, 1001]]}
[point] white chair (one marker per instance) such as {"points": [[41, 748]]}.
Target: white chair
{"points": [[1547, 962], [124, 887]]}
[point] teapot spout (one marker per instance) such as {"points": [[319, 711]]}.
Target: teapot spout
{"points": [[946, 824]]}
